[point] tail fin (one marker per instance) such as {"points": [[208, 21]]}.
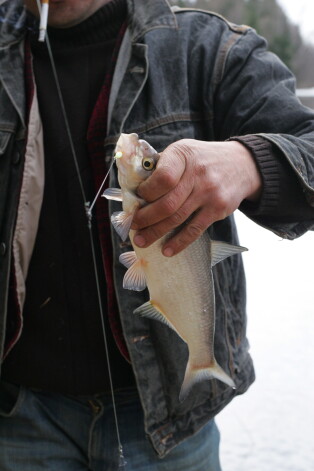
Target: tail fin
{"points": [[194, 376]]}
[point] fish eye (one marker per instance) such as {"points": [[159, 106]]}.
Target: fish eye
{"points": [[148, 163]]}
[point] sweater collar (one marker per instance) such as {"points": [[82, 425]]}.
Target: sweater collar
{"points": [[102, 26]]}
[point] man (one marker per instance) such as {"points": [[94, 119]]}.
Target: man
{"points": [[231, 133]]}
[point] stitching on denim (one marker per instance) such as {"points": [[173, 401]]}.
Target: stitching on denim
{"points": [[171, 119], [222, 58]]}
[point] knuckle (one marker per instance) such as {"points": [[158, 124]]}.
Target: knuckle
{"points": [[140, 221], [166, 178], [213, 179], [177, 219], [182, 150], [169, 206], [201, 169], [221, 200], [182, 214], [195, 230]]}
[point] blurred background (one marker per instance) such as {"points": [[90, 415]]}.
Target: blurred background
{"points": [[271, 427], [288, 26]]}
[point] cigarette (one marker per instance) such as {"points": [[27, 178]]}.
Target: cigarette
{"points": [[43, 20]]}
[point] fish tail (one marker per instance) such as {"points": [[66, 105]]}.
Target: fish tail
{"points": [[196, 375]]}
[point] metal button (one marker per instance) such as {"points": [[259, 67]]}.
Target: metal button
{"points": [[3, 248]]}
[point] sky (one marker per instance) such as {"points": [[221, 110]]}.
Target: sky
{"points": [[301, 12]]}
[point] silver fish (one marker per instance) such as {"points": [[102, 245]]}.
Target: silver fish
{"points": [[181, 287]]}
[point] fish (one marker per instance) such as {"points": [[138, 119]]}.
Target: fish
{"points": [[181, 287]]}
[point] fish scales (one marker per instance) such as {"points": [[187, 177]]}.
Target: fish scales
{"points": [[181, 287]]}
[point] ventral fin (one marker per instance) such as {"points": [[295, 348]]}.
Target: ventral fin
{"points": [[222, 250], [151, 311], [135, 278], [122, 221], [113, 194]]}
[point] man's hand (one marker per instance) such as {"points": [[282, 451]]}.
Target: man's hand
{"points": [[207, 180]]}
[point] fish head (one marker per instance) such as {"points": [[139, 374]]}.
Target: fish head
{"points": [[135, 159]]}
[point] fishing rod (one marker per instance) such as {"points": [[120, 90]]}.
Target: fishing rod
{"points": [[43, 8]]}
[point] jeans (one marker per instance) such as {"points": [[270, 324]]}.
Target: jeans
{"points": [[49, 431]]}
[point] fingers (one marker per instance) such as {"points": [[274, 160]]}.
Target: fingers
{"points": [[174, 197], [166, 206], [170, 168], [204, 180], [150, 234], [189, 232]]}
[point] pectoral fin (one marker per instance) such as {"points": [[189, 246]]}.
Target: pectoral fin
{"points": [[135, 278], [128, 258], [222, 250], [113, 194], [122, 221]]}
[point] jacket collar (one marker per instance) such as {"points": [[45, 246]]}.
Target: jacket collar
{"points": [[12, 21], [145, 15]]}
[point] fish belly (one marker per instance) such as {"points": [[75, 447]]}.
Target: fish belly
{"points": [[181, 288]]}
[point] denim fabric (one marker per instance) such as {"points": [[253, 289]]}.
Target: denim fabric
{"points": [[45, 431]]}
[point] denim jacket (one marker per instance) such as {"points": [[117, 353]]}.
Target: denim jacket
{"points": [[179, 74]]}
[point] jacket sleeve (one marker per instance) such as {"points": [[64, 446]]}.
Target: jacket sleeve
{"points": [[256, 104]]}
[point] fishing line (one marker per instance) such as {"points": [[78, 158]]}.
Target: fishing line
{"points": [[88, 209]]}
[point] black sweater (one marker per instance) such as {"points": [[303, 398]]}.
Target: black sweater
{"points": [[62, 346]]}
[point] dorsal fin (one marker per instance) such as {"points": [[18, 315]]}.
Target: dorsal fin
{"points": [[222, 250]]}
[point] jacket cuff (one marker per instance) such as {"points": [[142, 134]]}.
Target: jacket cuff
{"points": [[268, 164]]}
